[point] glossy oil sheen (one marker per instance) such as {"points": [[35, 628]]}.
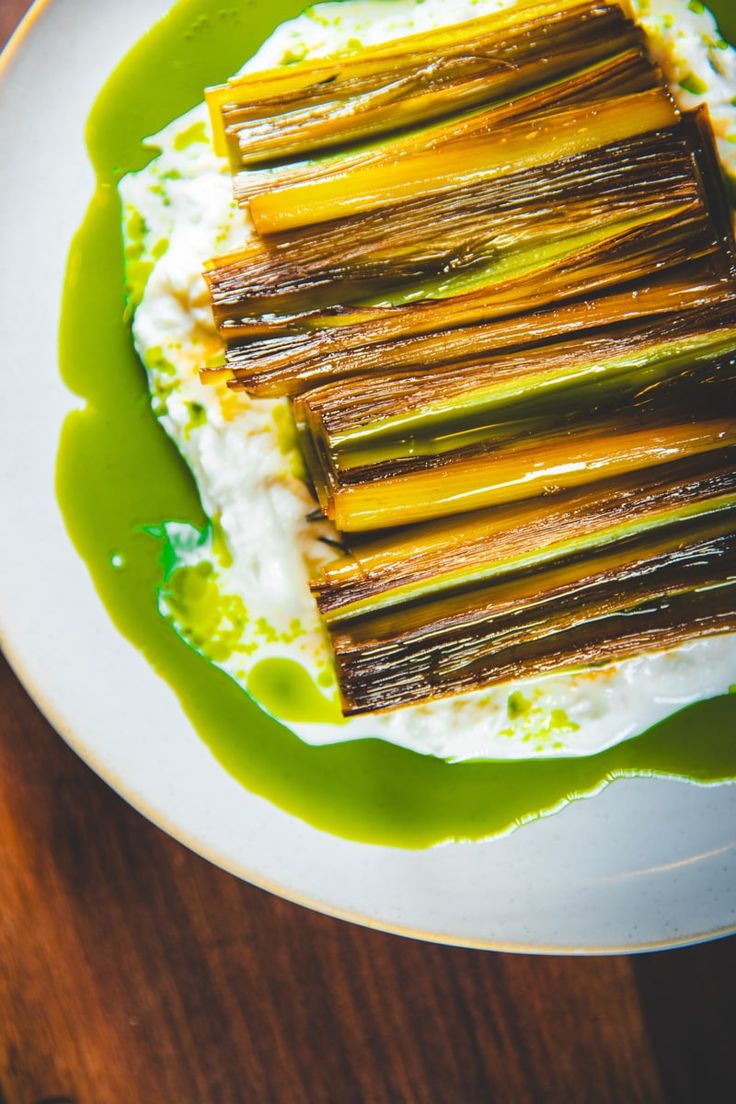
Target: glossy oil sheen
{"points": [[118, 473]]}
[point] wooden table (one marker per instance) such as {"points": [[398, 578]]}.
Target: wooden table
{"points": [[133, 972]]}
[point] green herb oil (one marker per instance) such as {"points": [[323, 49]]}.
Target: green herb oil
{"points": [[118, 474]]}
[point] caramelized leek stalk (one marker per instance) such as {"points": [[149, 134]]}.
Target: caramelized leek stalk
{"points": [[549, 379], [280, 353], [552, 461], [623, 73], [415, 563], [441, 235], [521, 146], [275, 357], [304, 360], [283, 113], [498, 286], [611, 605], [701, 390]]}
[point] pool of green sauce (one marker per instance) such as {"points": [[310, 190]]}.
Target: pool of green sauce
{"points": [[118, 474]]}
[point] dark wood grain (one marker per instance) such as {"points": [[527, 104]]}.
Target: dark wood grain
{"points": [[133, 972], [136, 971]]}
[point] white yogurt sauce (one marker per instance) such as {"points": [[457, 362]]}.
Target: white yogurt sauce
{"points": [[179, 212]]}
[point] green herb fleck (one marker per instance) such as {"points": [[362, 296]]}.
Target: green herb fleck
{"points": [[693, 84], [197, 417], [517, 705], [197, 132]]}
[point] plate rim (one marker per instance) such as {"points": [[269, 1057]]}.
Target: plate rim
{"points": [[144, 808], [127, 792]]}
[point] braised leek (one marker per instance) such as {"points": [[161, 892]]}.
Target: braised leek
{"points": [[493, 267], [286, 112], [417, 563]]}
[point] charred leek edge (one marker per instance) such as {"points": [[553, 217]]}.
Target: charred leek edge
{"points": [[555, 461], [472, 548], [362, 411], [313, 104], [458, 296], [438, 236], [704, 389], [555, 589], [694, 285], [446, 85], [612, 605], [657, 624], [262, 352], [277, 365], [626, 72], [518, 147]]}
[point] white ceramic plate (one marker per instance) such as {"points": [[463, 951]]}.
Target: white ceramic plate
{"points": [[644, 864]]}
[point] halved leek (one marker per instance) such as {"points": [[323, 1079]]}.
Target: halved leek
{"points": [[275, 356], [416, 563], [442, 235], [568, 375], [552, 461], [610, 605], [616, 74], [298, 361], [283, 113], [523, 145]]}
